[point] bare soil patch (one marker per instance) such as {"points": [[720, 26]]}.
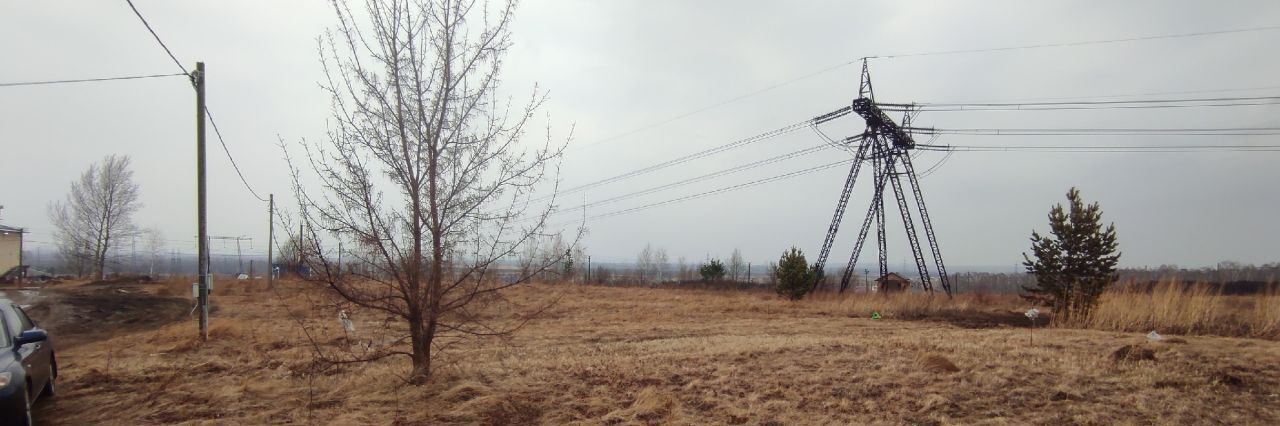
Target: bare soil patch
{"points": [[75, 315]]}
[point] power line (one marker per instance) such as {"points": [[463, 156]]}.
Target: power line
{"points": [[218, 132], [1221, 131], [717, 105], [696, 179], [157, 37], [844, 64], [973, 148], [1201, 132], [953, 148], [926, 105], [1084, 105], [1016, 132], [209, 113], [1103, 148], [1125, 95], [86, 80], [684, 159], [731, 170], [724, 189], [936, 166], [1076, 43]]}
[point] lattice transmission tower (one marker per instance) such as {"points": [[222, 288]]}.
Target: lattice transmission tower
{"points": [[887, 146]]}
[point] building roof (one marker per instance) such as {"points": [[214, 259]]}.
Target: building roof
{"points": [[892, 276], [11, 229]]}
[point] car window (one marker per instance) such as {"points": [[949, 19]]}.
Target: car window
{"points": [[12, 323], [5, 339], [27, 324]]}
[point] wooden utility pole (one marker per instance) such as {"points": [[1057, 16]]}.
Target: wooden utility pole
{"points": [[202, 239], [271, 232]]}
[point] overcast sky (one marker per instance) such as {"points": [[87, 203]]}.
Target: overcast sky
{"points": [[616, 67]]}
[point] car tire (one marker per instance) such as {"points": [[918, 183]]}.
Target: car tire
{"points": [[49, 389]]}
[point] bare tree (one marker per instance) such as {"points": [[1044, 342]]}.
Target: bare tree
{"points": [[737, 266], [528, 257], [97, 214], [645, 264], [551, 259], [683, 271], [427, 177], [660, 265], [153, 240], [76, 256], [292, 255], [579, 259]]}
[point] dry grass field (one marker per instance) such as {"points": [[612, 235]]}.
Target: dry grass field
{"points": [[605, 355], [1194, 309]]}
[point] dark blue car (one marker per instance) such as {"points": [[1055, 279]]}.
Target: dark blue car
{"points": [[27, 364]]}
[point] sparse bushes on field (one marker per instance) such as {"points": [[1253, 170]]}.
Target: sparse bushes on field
{"points": [[602, 275]]}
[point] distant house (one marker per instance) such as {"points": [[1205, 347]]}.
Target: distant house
{"points": [[892, 282], [10, 253]]}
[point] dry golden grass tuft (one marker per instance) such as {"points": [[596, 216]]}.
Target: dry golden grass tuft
{"points": [[649, 406], [1175, 308], [936, 363], [652, 356], [1133, 353]]}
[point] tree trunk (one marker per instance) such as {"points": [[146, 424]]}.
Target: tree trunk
{"points": [[100, 261], [420, 340]]}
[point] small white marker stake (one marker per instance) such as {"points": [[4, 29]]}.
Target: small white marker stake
{"points": [[1032, 314]]}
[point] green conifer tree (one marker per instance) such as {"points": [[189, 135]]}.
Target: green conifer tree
{"points": [[1077, 263], [794, 276], [712, 271]]}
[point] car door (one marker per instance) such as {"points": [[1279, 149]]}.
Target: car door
{"points": [[43, 350], [31, 354]]}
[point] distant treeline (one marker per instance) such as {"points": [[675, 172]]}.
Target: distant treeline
{"points": [[1224, 272], [1227, 277], [1229, 287]]}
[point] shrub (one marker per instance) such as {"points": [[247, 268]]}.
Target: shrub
{"points": [[793, 275], [1077, 264], [712, 271]]}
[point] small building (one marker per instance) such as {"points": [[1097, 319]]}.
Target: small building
{"points": [[892, 282], [10, 253]]}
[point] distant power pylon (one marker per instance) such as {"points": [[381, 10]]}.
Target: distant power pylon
{"points": [[239, 256], [887, 146]]}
